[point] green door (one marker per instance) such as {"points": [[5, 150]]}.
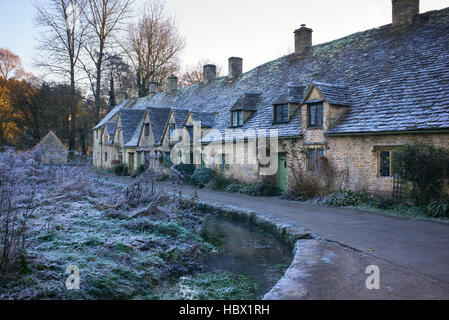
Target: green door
{"points": [[282, 173], [131, 163], [139, 160]]}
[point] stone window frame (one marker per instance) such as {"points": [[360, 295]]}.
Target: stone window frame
{"points": [[285, 114], [172, 131], [379, 151], [105, 157], [309, 112], [317, 162]]}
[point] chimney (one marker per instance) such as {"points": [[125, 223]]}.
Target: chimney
{"points": [[209, 73], [172, 84], [303, 39], [235, 67], [153, 88], [404, 11]]}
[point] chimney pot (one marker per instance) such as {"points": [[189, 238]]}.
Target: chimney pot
{"points": [[235, 67], [153, 88], [303, 39], [209, 73], [404, 11], [172, 84]]}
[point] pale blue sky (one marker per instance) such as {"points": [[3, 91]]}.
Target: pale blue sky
{"points": [[256, 30]]}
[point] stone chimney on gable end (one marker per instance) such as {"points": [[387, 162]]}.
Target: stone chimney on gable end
{"points": [[235, 67], [303, 39], [404, 11], [209, 73], [172, 84]]}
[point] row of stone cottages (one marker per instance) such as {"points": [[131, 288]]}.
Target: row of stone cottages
{"points": [[351, 101]]}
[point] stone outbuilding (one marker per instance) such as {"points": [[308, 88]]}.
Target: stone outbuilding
{"points": [[52, 150]]}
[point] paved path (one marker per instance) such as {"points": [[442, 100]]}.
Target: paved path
{"points": [[419, 246]]}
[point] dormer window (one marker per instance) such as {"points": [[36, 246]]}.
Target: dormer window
{"points": [[281, 113], [315, 115], [172, 131], [237, 118], [147, 129]]}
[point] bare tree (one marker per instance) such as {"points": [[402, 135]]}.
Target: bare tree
{"points": [[194, 74], [61, 43], [153, 45], [10, 64], [103, 18]]}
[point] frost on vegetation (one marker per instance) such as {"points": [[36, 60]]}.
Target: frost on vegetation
{"points": [[125, 241]]}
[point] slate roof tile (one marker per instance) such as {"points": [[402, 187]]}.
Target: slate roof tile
{"points": [[392, 80]]}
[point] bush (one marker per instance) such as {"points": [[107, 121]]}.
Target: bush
{"points": [[267, 187], [219, 182], [203, 176], [185, 169], [120, 170], [438, 209], [344, 198], [301, 186], [425, 167]]}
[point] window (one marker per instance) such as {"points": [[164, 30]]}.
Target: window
{"points": [[147, 129], [281, 113], [96, 133], [167, 157], [314, 159], [106, 157], [385, 164], [172, 131], [190, 132], [237, 118], [316, 115], [225, 167]]}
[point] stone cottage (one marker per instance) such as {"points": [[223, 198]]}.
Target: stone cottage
{"points": [[52, 150], [348, 103]]}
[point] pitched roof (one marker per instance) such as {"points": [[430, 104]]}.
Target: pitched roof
{"points": [[110, 127], [51, 140], [206, 119], [158, 120], [394, 79], [333, 93], [125, 104], [180, 117], [247, 102], [130, 121]]}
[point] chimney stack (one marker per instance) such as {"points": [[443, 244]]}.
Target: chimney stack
{"points": [[303, 39], [209, 73], [235, 67], [404, 11], [153, 88], [172, 84]]}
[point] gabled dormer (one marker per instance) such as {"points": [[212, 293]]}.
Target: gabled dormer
{"points": [[324, 106], [244, 109], [287, 104]]}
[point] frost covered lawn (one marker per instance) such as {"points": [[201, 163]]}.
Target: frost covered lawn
{"points": [[128, 243]]}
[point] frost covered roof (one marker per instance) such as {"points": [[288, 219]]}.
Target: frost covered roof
{"points": [[158, 120], [130, 121], [180, 117], [392, 79], [110, 127]]}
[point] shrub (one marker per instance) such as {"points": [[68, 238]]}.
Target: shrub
{"points": [[267, 187], [301, 186], [203, 176], [219, 182], [344, 198], [186, 169], [425, 167], [120, 170], [438, 209]]}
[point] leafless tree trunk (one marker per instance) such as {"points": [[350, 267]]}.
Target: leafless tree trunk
{"points": [[61, 43], [103, 18], [152, 45]]}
